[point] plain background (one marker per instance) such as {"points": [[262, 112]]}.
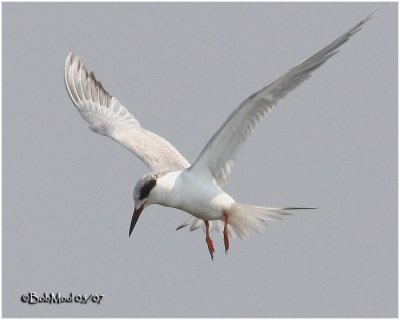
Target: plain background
{"points": [[181, 69]]}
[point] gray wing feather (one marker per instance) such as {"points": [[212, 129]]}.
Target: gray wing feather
{"points": [[108, 117], [219, 154]]}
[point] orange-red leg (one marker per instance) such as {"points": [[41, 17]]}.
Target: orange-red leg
{"points": [[226, 238], [209, 241]]}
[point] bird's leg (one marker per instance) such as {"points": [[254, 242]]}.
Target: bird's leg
{"points": [[226, 238], [209, 241]]}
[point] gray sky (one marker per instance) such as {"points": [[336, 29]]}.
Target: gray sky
{"points": [[181, 69]]}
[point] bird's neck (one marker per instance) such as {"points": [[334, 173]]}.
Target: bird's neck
{"points": [[161, 191]]}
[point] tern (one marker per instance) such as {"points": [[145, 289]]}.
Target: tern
{"points": [[173, 181]]}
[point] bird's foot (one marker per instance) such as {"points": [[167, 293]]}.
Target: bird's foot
{"points": [[209, 241], [210, 247], [226, 238]]}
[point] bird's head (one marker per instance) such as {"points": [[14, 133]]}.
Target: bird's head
{"points": [[141, 196]]}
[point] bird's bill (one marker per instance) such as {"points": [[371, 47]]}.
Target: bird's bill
{"points": [[135, 217]]}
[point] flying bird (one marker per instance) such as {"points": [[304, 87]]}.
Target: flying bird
{"points": [[173, 182]]}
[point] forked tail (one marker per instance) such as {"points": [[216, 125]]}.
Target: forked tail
{"points": [[244, 219]]}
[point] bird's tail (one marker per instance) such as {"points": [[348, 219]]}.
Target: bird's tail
{"points": [[244, 219]]}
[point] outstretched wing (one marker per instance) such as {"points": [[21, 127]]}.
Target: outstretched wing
{"points": [[219, 154], [108, 117]]}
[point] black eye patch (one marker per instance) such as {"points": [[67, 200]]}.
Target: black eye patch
{"points": [[144, 192]]}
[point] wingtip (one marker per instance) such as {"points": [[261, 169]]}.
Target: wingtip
{"points": [[369, 16], [72, 59], [377, 9], [68, 60]]}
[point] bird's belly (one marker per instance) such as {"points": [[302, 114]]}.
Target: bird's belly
{"points": [[207, 203], [207, 208]]}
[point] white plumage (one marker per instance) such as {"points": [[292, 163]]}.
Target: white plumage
{"points": [[173, 182], [219, 154], [108, 117]]}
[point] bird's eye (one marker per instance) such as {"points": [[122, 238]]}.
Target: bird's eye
{"points": [[145, 191]]}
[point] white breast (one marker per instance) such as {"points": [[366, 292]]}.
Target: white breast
{"points": [[201, 198]]}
